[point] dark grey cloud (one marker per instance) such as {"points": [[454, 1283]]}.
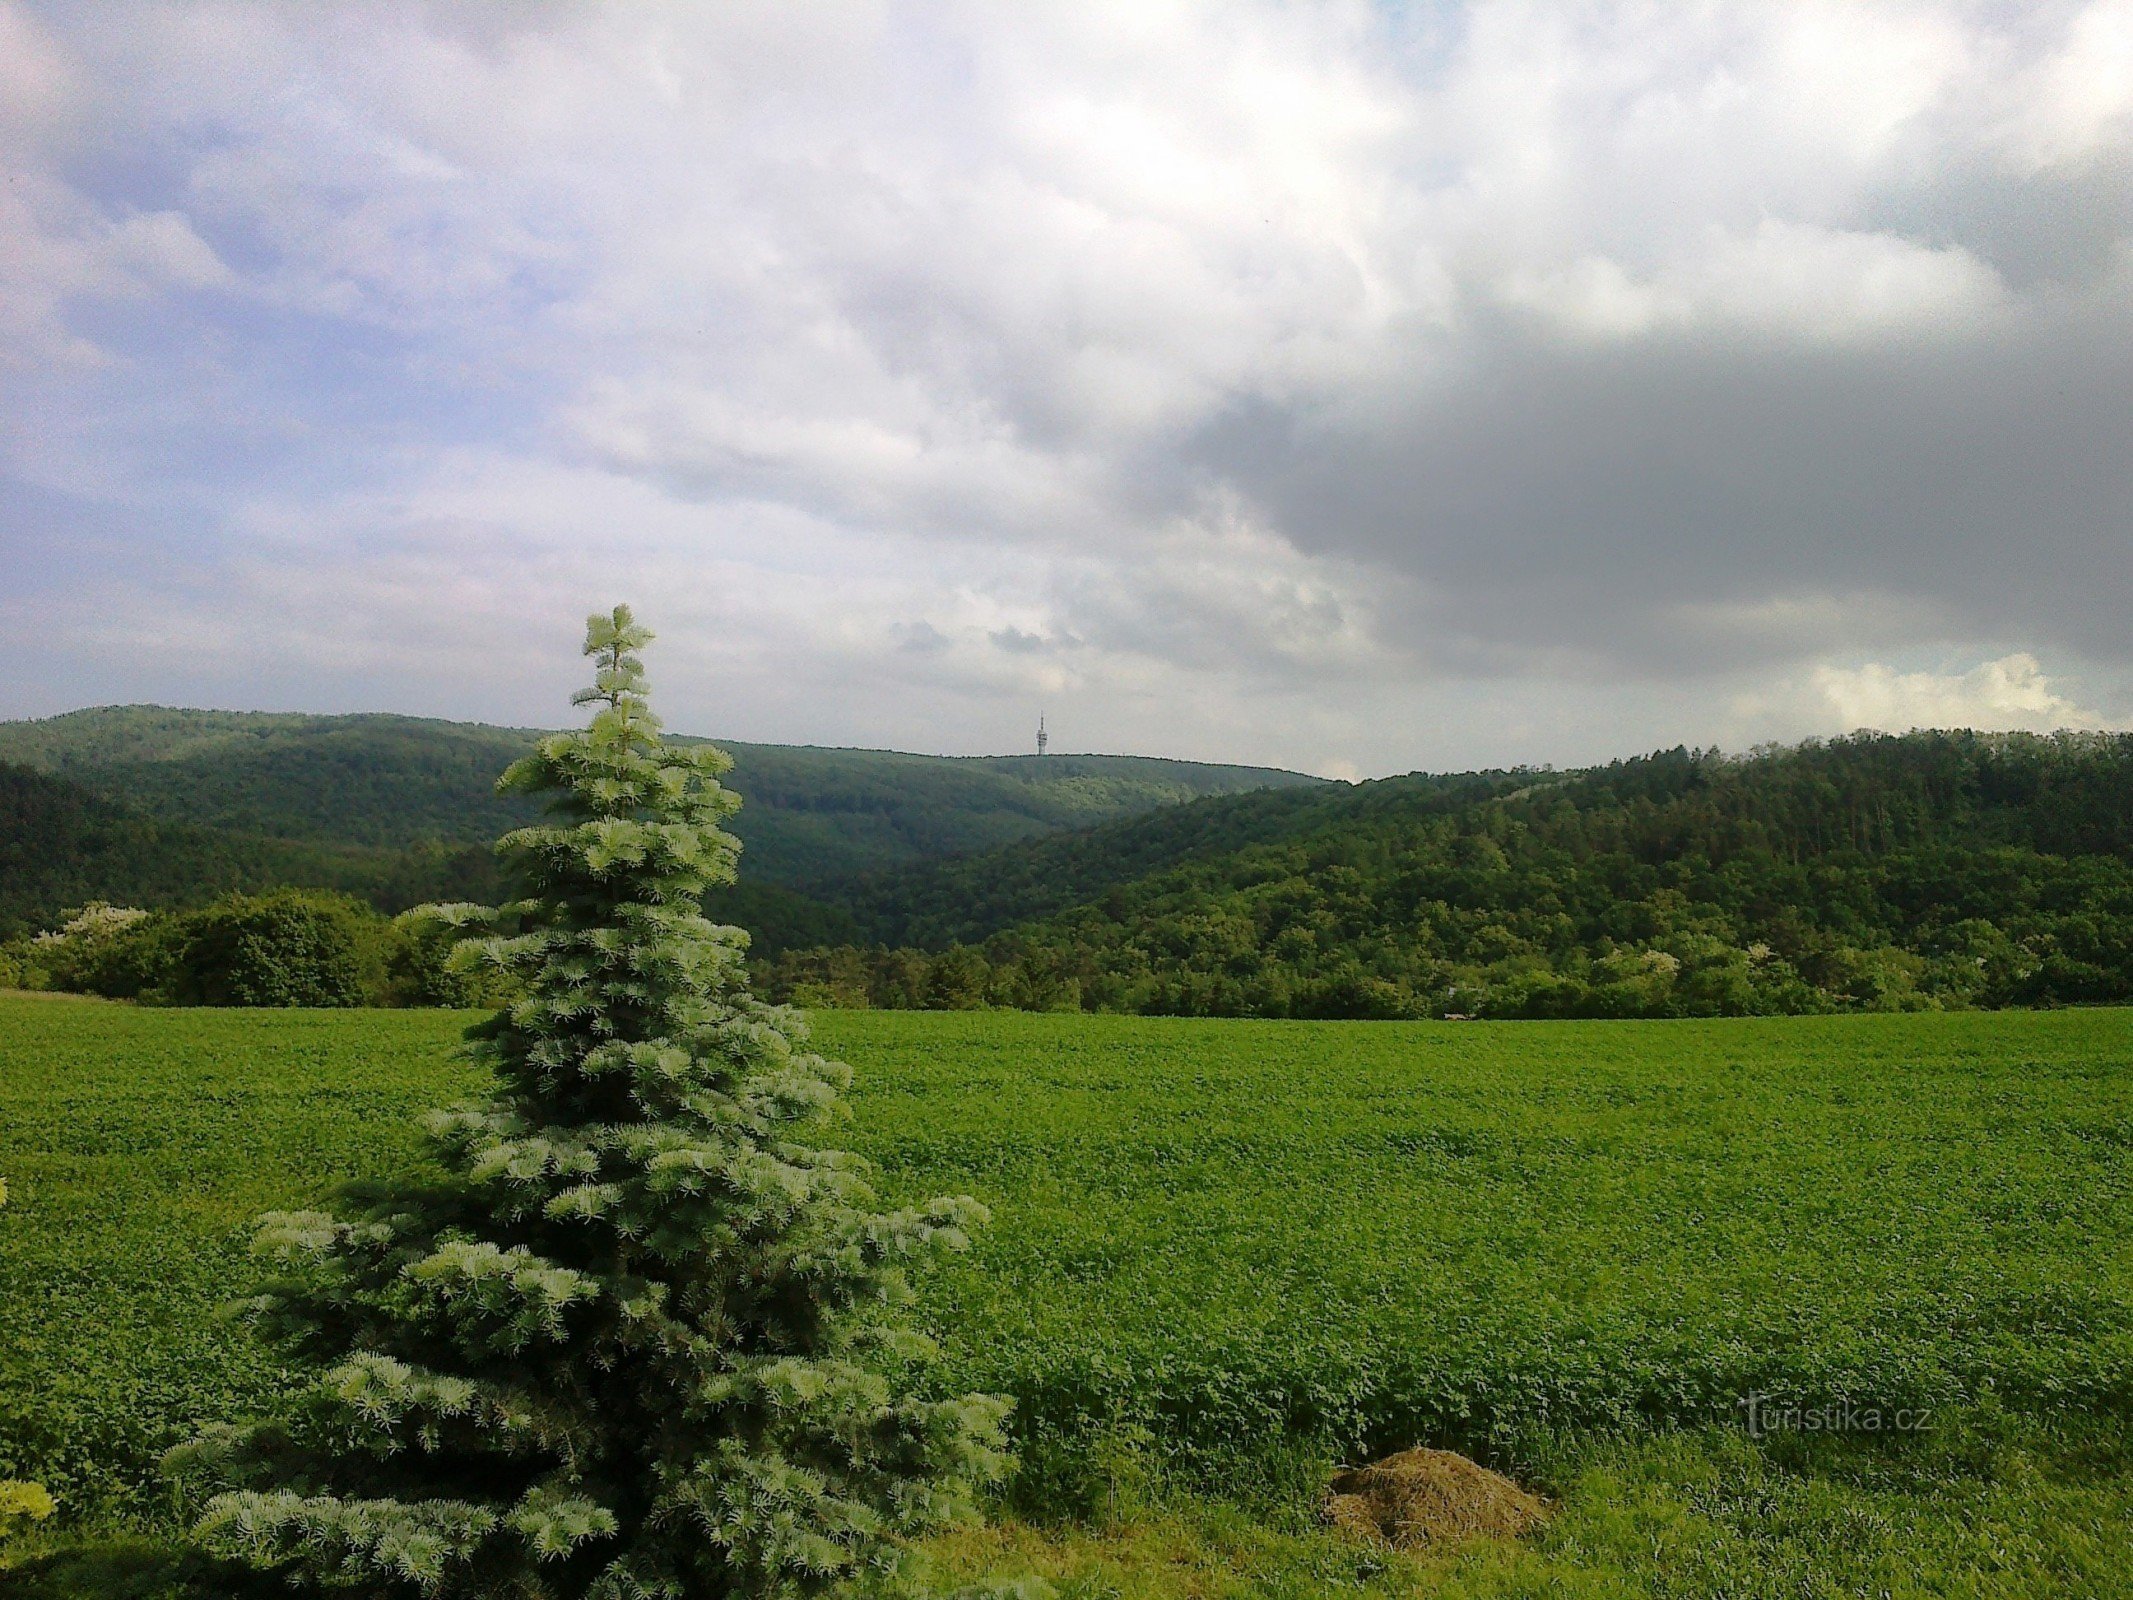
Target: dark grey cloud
{"points": [[1602, 496]]}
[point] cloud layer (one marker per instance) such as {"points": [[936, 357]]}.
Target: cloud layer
{"points": [[1320, 384]]}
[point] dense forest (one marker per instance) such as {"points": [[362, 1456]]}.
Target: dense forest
{"points": [[62, 845], [1870, 872], [150, 806], [1873, 872]]}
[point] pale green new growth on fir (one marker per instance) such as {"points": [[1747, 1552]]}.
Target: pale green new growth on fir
{"points": [[637, 1336]]}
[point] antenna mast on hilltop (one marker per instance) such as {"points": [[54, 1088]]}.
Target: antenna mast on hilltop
{"points": [[1043, 738]]}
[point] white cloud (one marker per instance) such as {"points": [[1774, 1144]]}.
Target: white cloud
{"points": [[1316, 362], [2012, 693], [2077, 101], [1787, 279]]}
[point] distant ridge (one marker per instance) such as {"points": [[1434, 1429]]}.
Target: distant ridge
{"points": [[1875, 872], [367, 799]]}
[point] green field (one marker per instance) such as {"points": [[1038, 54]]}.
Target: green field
{"points": [[1225, 1252]]}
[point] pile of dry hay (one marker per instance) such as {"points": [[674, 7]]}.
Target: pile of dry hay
{"points": [[1425, 1497]]}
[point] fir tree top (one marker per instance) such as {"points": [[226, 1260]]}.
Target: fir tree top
{"points": [[638, 1335]]}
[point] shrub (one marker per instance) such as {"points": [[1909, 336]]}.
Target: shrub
{"points": [[288, 947], [104, 949], [1356, 995], [419, 970], [958, 980], [19, 968], [20, 1503]]}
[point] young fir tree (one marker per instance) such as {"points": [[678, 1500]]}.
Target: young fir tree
{"points": [[639, 1337]]}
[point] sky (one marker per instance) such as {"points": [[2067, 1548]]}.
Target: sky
{"points": [[1344, 387]]}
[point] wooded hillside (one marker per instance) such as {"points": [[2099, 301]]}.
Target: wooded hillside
{"points": [[1868, 872], [402, 809], [1872, 872]]}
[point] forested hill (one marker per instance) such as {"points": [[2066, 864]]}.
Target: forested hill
{"points": [[1873, 871], [401, 809], [967, 899], [63, 845]]}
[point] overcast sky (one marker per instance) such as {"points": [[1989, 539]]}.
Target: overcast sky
{"points": [[1354, 388]]}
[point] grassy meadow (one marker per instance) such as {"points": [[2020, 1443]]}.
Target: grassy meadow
{"points": [[1226, 1254]]}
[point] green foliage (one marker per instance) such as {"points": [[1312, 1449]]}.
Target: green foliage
{"points": [[1220, 1237], [1004, 975], [1982, 1505], [63, 845], [1868, 874], [814, 818], [132, 1569], [188, 804], [1931, 871], [20, 1502], [287, 947], [98, 949], [382, 781], [420, 970], [634, 1336], [141, 1143]]}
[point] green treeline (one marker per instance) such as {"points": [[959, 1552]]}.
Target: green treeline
{"points": [[63, 845], [155, 806], [285, 947], [1867, 873]]}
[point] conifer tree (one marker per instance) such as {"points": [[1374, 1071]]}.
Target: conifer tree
{"points": [[638, 1335]]}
